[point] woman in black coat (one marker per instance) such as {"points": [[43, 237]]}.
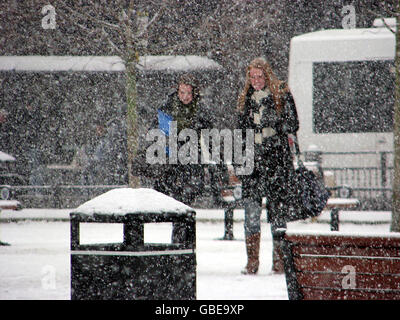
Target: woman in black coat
{"points": [[267, 107]]}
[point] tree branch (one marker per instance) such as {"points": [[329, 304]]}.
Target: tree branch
{"points": [[151, 22], [387, 26], [383, 20], [88, 16], [131, 10], [113, 45], [123, 18], [393, 13]]}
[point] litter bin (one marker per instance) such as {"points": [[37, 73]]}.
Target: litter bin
{"points": [[133, 269]]}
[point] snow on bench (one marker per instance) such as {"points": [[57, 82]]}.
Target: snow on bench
{"points": [[336, 204], [10, 204]]}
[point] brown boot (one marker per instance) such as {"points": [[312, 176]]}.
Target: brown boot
{"points": [[277, 259], [253, 250]]}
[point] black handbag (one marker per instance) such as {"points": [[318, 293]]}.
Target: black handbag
{"points": [[309, 194]]}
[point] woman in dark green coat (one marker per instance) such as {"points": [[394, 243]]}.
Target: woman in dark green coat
{"points": [[183, 182]]}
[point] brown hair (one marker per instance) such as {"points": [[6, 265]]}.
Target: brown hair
{"points": [[277, 87], [188, 78]]}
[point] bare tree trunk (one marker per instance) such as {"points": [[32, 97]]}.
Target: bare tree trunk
{"points": [[131, 60], [132, 130], [395, 225]]}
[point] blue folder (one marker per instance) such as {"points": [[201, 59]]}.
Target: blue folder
{"points": [[164, 121]]}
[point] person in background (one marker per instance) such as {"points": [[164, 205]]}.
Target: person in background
{"points": [[29, 121], [103, 160], [266, 106], [91, 155]]}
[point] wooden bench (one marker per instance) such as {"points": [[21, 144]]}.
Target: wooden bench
{"points": [[337, 204], [336, 265], [333, 204], [230, 201], [10, 204]]}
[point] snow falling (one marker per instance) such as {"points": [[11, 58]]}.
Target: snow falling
{"points": [[46, 244], [81, 85]]}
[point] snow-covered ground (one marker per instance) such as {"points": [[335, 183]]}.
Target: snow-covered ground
{"points": [[36, 264]]}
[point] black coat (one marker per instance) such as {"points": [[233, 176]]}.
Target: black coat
{"points": [[273, 160]]}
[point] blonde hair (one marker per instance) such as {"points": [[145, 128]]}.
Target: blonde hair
{"points": [[277, 87]]}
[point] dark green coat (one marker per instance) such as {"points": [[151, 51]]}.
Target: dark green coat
{"points": [[181, 181]]}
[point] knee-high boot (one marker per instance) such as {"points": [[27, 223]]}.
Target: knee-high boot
{"points": [[253, 251], [277, 256]]}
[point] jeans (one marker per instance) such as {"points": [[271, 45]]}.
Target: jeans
{"points": [[252, 218]]}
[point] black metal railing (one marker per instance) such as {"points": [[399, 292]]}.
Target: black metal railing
{"points": [[369, 175]]}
